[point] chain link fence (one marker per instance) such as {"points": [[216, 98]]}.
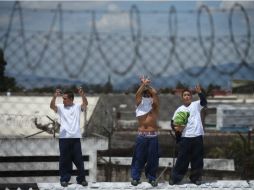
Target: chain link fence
{"points": [[215, 50], [56, 56]]}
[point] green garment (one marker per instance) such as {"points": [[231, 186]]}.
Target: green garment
{"points": [[181, 118]]}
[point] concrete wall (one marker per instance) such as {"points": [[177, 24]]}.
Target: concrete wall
{"points": [[232, 116], [209, 164], [44, 147], [17, 114]]}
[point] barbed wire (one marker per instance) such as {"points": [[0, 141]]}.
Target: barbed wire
{"points": [[136, 41], [52, 52]]}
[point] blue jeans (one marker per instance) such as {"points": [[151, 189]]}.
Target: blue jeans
{"points": [[70, 151], [146, 152]]}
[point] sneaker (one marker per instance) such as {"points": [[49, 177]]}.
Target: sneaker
{"points": [[198, 182], [171, 182], [135, 182], [64, 183], [153, 183], [83, 183]]}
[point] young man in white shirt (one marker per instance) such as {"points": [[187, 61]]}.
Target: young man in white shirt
{"points": [[69, 135], [187, 121]]}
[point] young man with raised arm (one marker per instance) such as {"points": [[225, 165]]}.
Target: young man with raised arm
{"points": [[69, 135], [146, 151]]}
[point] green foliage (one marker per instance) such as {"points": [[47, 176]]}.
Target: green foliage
{"points": [[7, 83], [181, 85], [242, 151], [108, 87], [210, 88], [166, 90], [217, 152]]}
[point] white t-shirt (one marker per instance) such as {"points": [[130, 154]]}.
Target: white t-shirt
{"points": [[69, 118], [144, 107], [194, 125]]}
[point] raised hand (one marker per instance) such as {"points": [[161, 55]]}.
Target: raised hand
{"points": [[198, 88], [80, 91], [58, 92], [145, 80]]}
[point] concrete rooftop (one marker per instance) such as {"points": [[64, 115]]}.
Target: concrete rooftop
{"points": [[225, 185], [217, 184]]}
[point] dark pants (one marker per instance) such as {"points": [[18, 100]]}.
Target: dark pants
{"points": [[190, 151], [146, 152], [70, 151]]}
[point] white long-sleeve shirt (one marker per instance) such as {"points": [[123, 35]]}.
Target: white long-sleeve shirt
{"points": [[194, 125]]}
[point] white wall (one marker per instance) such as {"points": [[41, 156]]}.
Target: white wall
{"points": [[18, 112]]}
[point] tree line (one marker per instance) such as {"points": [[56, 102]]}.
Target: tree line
{"points": [[10, 84]]}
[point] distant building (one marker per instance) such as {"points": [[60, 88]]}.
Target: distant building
{"points": [[178, 91], [243, 86], [220, 92]]}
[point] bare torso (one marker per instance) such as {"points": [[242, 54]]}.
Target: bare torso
{"points": [[148, 122]]}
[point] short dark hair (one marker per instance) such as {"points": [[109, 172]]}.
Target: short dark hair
{"points": [[70, 94], [186, 90]]}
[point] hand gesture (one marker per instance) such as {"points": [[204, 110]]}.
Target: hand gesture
{"points": [[198, 88], [144, 80], [80, 91], [58, 92]]}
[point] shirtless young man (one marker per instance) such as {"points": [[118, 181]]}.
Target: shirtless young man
{"points": [[146, 151]]}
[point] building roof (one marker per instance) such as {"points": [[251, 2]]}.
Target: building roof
{"points": [[220, 184]]}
